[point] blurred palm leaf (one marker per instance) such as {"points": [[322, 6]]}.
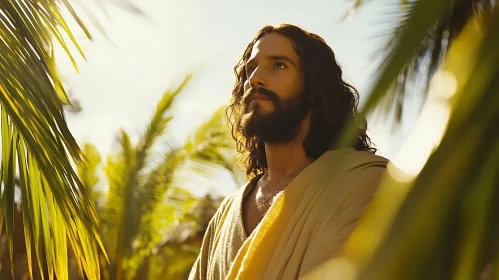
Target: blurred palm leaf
{"points": [[179, 247], [206, 151], [144, 198], [122, 211], [443, 226], [458, 187], [87, 171], [36, 142], [211, 146], [424, 43]]}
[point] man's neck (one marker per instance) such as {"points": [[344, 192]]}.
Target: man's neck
{"points": [[285, 161]]}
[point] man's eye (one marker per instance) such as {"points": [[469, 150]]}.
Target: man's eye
{"points": [[279, 65]]}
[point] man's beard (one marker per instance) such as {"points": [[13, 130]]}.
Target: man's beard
{"points": [[279, 126]]}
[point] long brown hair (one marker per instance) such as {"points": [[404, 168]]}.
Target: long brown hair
{"points": [[334, 101]]}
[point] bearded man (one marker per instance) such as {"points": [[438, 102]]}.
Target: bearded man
{"points": [[305, 195]]}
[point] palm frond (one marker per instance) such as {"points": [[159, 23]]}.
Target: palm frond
{"points": [[205, 146], [351, 11], [440, 25], [129, 193], [143, 199], [36, 139], [356, 5], [119, 173], [180, 245], [211, 146], [156, 214], [445, 227], [158, 123], [87, 171], [421, 16]]}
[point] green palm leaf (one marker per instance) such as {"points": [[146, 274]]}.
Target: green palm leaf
{"points": [[444, 227], [180, 245], [458, 188], [37, 144], [443, 22], [119, 173], [87, 172], [206, 147], [124, 207], [144, 197], [419, 18], [210, 146]]}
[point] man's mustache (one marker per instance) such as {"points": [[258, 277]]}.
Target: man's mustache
{"points": [[262, 91]]}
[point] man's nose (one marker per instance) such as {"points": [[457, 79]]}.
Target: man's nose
{"points": [[257, 78]]}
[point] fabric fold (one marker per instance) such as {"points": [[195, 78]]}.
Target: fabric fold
{"points": [[306, 225]]}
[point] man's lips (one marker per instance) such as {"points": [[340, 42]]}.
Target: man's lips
{"points": [[259, 98]]}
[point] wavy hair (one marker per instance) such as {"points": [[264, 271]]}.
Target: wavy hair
{"points": [[333, 101]]}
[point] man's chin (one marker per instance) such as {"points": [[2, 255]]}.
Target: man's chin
{"points": [[258, 115], [260, 108], [254, 124], [269, 134]]}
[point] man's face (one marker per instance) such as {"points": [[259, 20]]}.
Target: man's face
{"points": [[274, 102]]}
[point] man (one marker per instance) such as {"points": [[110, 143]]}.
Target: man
{"points": [[305, 196]]}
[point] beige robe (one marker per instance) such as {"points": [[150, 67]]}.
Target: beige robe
{"points": [[307, 224]]}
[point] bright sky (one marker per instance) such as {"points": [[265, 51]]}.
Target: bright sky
{"points": [[124, 77]]}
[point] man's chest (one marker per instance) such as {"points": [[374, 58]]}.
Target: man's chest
{"points": [[255, 206]]}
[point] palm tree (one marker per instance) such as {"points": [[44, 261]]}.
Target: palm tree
{"points": [[145, 200], [441, 224]]}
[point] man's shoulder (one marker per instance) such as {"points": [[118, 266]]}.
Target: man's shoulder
{"points": [[366, 157], [353, 171], [351, 160], [356, 182]]}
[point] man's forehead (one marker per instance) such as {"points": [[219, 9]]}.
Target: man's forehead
{"points": [[274, 44]]}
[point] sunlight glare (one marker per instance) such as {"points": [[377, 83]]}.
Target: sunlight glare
{"points": [[336, 268], [398, 174], [443, 85], [429, 129]]}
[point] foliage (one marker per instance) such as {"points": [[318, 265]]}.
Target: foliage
{"points": [[37, 145], [145, 205], [439, 225]]}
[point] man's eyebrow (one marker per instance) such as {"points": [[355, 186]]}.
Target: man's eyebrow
{"points": [[282, 57], [274, 57]]}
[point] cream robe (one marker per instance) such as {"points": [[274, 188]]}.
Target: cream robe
{"points": [[307, 224]]}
